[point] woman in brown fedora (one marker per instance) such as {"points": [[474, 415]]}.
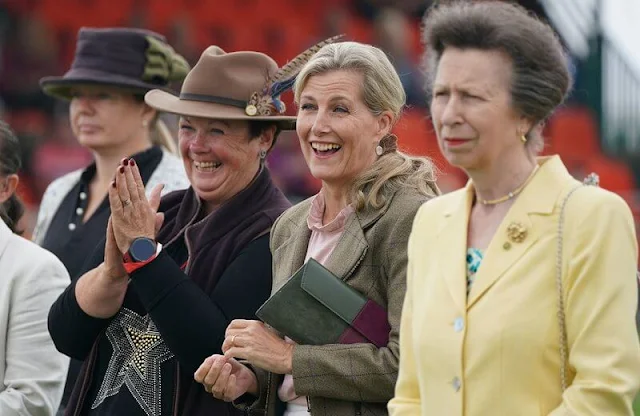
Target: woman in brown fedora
{"points": [[349, 97], [112, 70], [145, 325]]}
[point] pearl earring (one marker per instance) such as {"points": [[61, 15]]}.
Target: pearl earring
{"points": [[379, 150]]}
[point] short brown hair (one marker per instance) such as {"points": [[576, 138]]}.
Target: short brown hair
{"points": [[540, 75]]}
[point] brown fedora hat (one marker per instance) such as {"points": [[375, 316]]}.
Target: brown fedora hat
{"points": [[135, 60], [235, 86]]}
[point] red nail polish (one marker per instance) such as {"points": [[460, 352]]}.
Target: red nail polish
{"points": [[123, 162], [121, 169], [132, 162]]}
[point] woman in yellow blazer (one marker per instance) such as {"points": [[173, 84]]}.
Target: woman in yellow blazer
{"points": [[481, 332]]}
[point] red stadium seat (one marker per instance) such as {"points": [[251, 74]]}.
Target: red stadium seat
{"points": [[573, 134], [417, 137]]}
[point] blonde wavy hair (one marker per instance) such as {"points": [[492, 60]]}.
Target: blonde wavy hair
{"points": [[381, 91]]}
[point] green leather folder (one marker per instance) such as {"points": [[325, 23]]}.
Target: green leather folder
{"points": [[313, 307]]}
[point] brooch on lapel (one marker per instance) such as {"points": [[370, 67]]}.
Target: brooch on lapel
{"points": [[592, 179], [516, 232]]}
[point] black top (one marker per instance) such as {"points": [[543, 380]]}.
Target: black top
{"points": [[142, 360], [73, 241], [133, 342]]}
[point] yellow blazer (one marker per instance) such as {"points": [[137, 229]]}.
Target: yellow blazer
{"points": [[497, 351]]}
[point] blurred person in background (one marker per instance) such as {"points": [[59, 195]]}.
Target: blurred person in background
{"points": [[32, 372], [290, 171], [521, 290], [349, 97], [111, 72], [30, 52], [144, 327], [371, 8], [393, 35]]}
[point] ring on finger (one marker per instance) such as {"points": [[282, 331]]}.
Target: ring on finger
{"points": [[233, 339]]}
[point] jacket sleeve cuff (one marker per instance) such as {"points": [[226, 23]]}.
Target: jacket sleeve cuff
{"points": [[302, 383], [249, 402], [154, 280]]}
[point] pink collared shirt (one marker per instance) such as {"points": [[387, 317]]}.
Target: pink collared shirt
{"points": [[323, 240]]}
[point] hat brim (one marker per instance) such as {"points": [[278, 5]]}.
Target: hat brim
{"points": [[167, 102], [61, 87]]}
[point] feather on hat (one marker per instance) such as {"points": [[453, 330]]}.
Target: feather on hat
{"points": [[268, 99]]}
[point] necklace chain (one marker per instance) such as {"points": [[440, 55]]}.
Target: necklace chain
{"points": [[511, 194]]}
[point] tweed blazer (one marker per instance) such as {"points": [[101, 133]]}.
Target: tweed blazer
{"points": [[371, 256]]}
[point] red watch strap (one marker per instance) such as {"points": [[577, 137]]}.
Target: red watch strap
{"points": [[126, 258]]}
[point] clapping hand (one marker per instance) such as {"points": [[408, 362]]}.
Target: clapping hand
{"points": [[132, 215]]}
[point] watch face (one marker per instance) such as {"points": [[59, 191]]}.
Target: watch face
{"points": [[142, 249]]}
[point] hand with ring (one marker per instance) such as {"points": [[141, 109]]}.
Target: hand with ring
{"points": [[258, 344], [132, 215]]}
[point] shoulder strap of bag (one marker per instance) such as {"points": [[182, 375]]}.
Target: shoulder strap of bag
{"points": [[591, 180]]}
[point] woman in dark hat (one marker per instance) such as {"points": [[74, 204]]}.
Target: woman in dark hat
{"points": [[144, 327], [111, 72]]}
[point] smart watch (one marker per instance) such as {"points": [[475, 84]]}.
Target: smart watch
{"points": [[142, 249]]}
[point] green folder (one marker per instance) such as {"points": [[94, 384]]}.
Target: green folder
{"points": [[314, 307]]}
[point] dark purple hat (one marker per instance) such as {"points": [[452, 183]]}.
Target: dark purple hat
{"points": [[136, 60]]}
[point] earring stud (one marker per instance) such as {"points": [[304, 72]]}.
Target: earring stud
{"points": [[379, 150]]}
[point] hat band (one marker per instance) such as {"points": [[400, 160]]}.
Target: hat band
{"points": [[213, 99]]}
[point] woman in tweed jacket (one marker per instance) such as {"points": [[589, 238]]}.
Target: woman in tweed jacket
{"points": [[349, 98]]}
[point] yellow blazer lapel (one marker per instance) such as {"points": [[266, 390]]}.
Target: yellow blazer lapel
{"points": [[508, 245], [502, 252], [452, 238]]}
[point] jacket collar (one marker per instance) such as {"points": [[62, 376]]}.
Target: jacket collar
{"points": [[539, 198], [246, 204], [352, 246], [5, 236]]}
